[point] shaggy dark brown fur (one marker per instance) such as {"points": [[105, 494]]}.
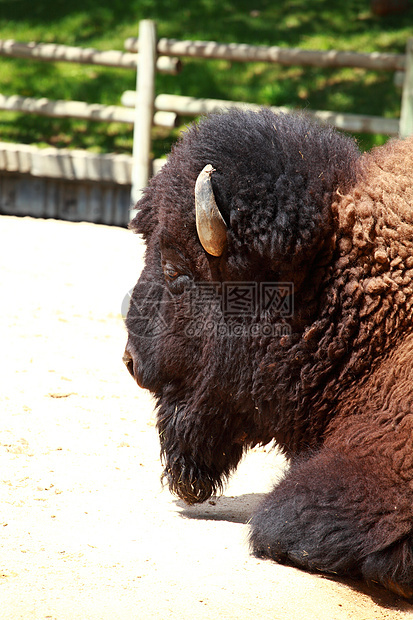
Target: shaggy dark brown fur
{"points": [[332, 386]]}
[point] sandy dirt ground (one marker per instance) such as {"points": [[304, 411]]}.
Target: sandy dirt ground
{"points": [[86, 530]]}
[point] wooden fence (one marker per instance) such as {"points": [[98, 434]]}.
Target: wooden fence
{"points": [[79, 185], [247, 53]]}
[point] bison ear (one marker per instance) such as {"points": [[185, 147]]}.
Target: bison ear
{"points": [[210, 225]]}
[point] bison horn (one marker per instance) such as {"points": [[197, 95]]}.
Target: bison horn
{"points": [[211, 227]]}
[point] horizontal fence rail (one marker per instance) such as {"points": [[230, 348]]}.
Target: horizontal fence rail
{"points": [[65, 53], [274, 54], [191, 106], [66, 109], [81, 110]]}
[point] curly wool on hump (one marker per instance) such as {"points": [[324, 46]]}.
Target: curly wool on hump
{"points": [[375, 239], [360, 303], [371, 295]]}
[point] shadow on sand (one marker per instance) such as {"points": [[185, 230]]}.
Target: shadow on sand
{"points": [[236, 509], [240, 508]]}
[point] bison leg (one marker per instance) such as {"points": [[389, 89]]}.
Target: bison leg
{"points": [[341, 515]]}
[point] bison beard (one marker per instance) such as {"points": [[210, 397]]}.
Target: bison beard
{"points": [[263, 199], [194, 472]]}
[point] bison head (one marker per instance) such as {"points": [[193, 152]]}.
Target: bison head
{"points": [[239, 230]]}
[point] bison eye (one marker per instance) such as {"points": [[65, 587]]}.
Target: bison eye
{"points": [[177, 281], [170, 272]]}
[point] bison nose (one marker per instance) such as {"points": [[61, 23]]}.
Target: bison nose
{"points": [[128, 361]]}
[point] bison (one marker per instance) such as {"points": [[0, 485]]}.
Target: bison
{"points": [[276, 304]]}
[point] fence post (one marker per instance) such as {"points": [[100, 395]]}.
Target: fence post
{"points": [[406, 115], [144, 108]]}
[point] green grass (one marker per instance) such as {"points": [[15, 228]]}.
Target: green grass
{"points": [[315, 24]]}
